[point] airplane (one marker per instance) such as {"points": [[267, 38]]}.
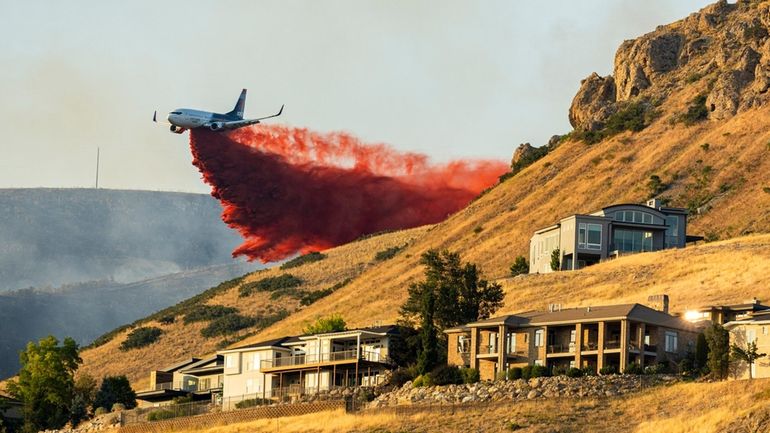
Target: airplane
{"points": [[183, 119]]}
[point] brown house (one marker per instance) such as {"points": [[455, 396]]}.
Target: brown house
{"points": [[590, 337]]}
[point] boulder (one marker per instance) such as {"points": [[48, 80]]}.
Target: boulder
{"points": [[640, 61], [593, 103]]}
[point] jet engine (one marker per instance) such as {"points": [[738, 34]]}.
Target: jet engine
{"points": [[177, 129], [216, 126]]}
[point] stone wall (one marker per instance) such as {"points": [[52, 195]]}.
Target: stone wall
{"points": [[543, 387]]}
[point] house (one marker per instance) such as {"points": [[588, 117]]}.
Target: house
{"points": [[722, 314], [198, 379], [590, 337], [753, 328], [11, 410], [293, 366], [583, 240]]}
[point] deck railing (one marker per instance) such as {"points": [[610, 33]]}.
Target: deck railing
{"points": [[315, 358]]}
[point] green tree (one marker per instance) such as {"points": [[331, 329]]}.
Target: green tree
{"points": [[519, 266], [749, 355], [451, 294], [322, 325], [555, 260], [115, 389], [82, 398], [45, 384], [701, 353], [718, 341]]}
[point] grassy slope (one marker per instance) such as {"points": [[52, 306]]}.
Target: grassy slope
{"points": [[680, 408], [574, 178]]}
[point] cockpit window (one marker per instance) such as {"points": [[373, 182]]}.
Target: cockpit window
{"points": [[176, 112]]}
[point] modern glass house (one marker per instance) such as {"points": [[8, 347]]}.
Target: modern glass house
{"points": [[585, 239]]}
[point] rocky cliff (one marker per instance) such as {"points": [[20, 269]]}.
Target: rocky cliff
{"points": [[726, 45]]}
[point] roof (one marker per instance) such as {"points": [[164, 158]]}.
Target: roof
{"points": [[750, 306], [174, 367], [636, 312], [276, 342], [376, 330], [757, 318]]}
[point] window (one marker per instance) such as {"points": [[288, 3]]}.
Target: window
{"points": [[230, 361], [493, 342], [255, 362], [671, 341], [633, 216], [539, 338], [632, 240], [751, 336], [511, 342], [672, 231], [462, 344], [590, 236]]}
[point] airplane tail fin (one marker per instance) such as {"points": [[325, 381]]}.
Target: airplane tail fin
{"points": [[239, 106]]}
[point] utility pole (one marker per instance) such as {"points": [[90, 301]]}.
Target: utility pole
{"points": [[97, 168]]}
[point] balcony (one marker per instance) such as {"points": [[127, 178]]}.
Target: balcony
{"points": [[201, 385], [330, 357], [612, 344], [561, 348], [590, 345]]}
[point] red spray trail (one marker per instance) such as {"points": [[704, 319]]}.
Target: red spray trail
{"points": [[289, 189]]}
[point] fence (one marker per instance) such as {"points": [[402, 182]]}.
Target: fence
{"points": [[147, 414], [290, 394]]}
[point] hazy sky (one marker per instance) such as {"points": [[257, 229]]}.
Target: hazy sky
{"points": [[447, 78]]}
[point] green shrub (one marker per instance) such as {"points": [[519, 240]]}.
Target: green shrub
{"points": [[558, 371], [167, 320], [310, 297], [401, 375], [696, 111], [446, 375], [160, 415], [470, 375], [114, 390], [270, 284], [633, 116], [514, 373], [423, 380], [526, 372], [388, 253], [228, 325], [633, 369], [303, 260], [478, 229], [203, 313], [140, 337], [519, 266], [574, 372], [539, 371], [606, 370], [655, 185], [555, 260], [659, 368], [252, 402], [292, 292], [100, 411], [589, 371], [513, 426], [117, 407], [323, 325], [766, 189], [527, 160]]}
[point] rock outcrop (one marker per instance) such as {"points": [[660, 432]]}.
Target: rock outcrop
{"points": [[723, 49], [542, 387]]}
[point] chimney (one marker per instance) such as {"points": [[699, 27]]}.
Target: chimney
{"points": [[588, 309], [653, 203], [659, 302]]}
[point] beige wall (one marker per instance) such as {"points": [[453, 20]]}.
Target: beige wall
{"points": [[244, 377], [740, 336], [453, 356]]}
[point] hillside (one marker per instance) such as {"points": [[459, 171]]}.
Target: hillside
{"points": [[716, 164], [85, 311], [53, 237]]}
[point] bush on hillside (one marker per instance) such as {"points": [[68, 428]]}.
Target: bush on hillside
{"points": [[607, 370], [423, 380], [401, 375], [303, 260], [203, 313], [633, 369], [514, 373], [539, 371], [446, 375], [388, 253], [696, 111], [519, 266], [270, 284], [311, 297], [633, 116], [574, 372], [470, 375], [555, 260], [227, 325], [160, 415], [252, 402], [526, 372], [323, 325], [115, 390], [141, 337]]}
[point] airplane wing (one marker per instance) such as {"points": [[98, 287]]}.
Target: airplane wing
{"points": [[246, 122]]}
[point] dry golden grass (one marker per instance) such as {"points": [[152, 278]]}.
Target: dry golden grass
{"points": [[575, 178], [680, 408]]}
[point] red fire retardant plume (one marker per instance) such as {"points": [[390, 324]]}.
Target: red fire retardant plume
{"points": [[289, 190]]}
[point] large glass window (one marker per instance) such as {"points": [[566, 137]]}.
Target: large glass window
{"points": [[632, 240], [539, 338], [633, 216], [671, 341], [590, 236], [672, 231]]}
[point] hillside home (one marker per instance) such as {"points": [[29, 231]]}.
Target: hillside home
{"points": [[583, 240], [754, 328], [590, 337], [722, 314], [199, 379], [11, 410], [293, 366]]}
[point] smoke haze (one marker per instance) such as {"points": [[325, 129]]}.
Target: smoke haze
{"points": [[290, 189]]}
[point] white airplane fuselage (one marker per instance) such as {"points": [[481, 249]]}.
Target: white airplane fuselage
{"points": [[183, 119]]}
